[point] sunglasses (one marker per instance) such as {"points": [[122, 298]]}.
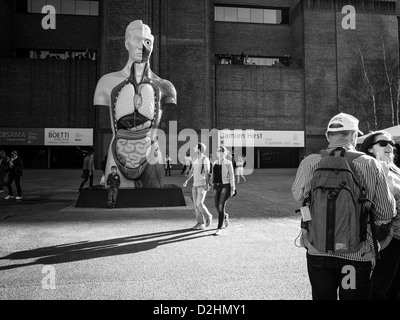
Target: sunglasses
{"points": [[384, 143]]}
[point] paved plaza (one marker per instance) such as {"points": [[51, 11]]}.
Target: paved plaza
{"points": [[50, 249]]}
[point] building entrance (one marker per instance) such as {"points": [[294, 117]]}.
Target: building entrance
{"points": [[277, 157]]}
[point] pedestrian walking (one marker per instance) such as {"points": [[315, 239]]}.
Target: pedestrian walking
{"points": [[167, 165], [187, 165], [14, 175], [201, 177], [103, 169], [4, 160], [239, 169], [386, 275], [112, 183], [223, 181], [87, 171], [329, 262]]}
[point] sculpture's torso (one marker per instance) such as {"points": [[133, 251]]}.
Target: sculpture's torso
{"points": [[135, 112]]}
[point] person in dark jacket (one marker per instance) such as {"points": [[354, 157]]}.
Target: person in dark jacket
{"points": [[4, 160], [87, 171], [113, 182], [14, 174]]}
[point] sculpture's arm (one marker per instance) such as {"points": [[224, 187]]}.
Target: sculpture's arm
{"points": [[102, 94], [168, 92], [170, 96]]}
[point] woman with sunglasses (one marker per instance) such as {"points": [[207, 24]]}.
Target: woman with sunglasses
{"points": [[386, 275], [223, 180]]}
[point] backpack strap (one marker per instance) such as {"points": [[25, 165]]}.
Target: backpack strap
{"points": [[202, 164], [369, 205]]}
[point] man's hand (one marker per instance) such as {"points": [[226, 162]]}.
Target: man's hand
{"points": [[184, 183]]}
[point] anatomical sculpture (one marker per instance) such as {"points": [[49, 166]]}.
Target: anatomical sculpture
{"points": [[135, 97]]}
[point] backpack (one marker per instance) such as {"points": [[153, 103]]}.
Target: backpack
{"points": [[338, 210]]}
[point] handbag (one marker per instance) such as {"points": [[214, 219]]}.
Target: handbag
{"points": [[103, 180]]}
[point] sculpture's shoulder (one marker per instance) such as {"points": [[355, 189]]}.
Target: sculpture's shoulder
{"points": [[102, 94], [167, 88]]}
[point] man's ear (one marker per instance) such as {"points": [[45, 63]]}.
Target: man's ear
{"points": [[327, 137]]}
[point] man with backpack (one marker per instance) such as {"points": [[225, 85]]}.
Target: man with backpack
{"points": [[343, 193], [201, 173]]}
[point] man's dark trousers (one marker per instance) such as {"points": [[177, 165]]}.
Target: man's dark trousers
{"points": [[326, 275]]}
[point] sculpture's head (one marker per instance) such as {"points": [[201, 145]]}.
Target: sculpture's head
{"points": [[139, 41]]}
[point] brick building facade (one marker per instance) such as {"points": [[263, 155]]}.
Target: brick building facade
{"points": [[318, 73]]}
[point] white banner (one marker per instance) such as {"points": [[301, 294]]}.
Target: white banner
{"points": [[261, 138], [68, 137]]}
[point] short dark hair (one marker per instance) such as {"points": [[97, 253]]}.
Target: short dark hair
{"points": [[114, 167], [201, 147]]}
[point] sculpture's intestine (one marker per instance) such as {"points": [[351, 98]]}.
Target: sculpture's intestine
{"points": [[133, 153]]}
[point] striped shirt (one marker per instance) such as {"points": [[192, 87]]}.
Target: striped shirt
{"points": [[371, 176], [394, 186]]}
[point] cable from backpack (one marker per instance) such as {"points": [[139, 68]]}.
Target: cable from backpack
{"points": [[371, 211], [300, 234]]}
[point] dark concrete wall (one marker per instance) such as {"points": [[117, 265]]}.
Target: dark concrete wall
{"points": [[332, 60], [253, 39], [189, 61], [47, 93], [260, 98], [78, 32], [7, 8]]}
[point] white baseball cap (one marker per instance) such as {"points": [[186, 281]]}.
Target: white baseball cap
{"points": [[342, 122]]}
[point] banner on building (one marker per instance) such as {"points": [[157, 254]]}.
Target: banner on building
{"points": [[68, 137], [261, 138], [46, 137], [22, 136]]}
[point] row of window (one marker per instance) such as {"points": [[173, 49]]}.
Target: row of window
{"points": [[75, 7], [251, 15], [252, 60], [68, 54]]}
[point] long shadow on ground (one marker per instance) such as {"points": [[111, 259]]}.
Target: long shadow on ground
{"points": [[85, 250]]}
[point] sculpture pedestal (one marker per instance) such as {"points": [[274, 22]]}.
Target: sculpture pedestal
{"points": [[169, 196]]}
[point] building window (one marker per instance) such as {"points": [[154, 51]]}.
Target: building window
{"points": [[243, 14], [253, 60], [75, 7], [251, 15], [56, 54], [262, 61]]}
